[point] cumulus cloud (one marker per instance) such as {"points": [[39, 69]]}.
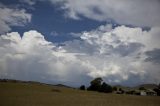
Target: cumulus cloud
{"points": [[31, 57], [132, 12], [120, 39], [12, 17], [116, 54]]}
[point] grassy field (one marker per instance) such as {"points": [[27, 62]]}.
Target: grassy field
{"points": [[27, 94]]}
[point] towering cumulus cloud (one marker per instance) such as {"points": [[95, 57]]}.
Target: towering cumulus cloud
{"points": [[31, 57], [119, 55]]}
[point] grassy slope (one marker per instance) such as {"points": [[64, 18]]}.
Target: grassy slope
{"points": [[23, 94]]}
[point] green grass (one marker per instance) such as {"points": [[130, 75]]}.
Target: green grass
{"points": [[24, 94]]}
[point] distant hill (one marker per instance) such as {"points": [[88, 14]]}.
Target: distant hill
{"points": [[61, 85], [147, 86], [33, 82], [124, 87]]}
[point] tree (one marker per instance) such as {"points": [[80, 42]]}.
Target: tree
{"points": [[105, 88], [114, 88], [157, 90], [82, 87], [121, 90], [95, 84], [142, 88]]}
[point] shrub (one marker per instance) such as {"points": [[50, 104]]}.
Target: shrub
{"points": [[55, 90]]}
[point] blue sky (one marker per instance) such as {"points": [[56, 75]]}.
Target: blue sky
{"points": [[49, 19], [72, 42]]}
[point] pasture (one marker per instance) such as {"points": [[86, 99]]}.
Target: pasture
{"points": [[34, 94]]}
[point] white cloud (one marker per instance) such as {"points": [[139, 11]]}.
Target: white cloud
{"points": [[12, 17], [119, 53], [33, 58], [105, 38], [29, 2], [134, 12], [104, 52]]}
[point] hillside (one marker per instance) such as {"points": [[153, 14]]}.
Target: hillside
{"points": [[148, 86], [37, 94]]}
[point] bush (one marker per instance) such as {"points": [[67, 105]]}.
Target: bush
{"points": [[55, 90]]}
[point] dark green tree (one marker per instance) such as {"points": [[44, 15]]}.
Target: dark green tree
{"points": [[157, 90], [114, 88], [95, 84], [105, 88], [122, 91], [142, 88], [82, 87]]}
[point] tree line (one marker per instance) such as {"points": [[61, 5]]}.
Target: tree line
{"points": [[98, 85]]}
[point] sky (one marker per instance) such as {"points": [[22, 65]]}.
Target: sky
{"points": [[74, 41]]}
